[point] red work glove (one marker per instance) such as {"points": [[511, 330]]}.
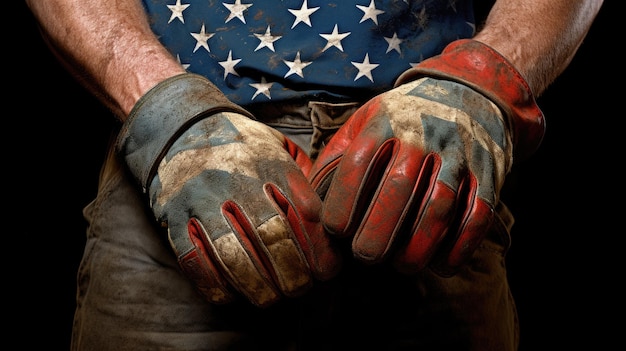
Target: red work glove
{"points": [[417, 170]]}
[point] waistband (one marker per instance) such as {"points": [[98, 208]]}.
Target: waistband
{"points": [[309, 124]]}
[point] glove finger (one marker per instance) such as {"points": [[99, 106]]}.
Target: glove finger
{"points": [[473, 228], [301, 208], [302, 213], [276, 241], [199, 267], [432, 223], [321, 178], [451, 228], [354, 184], [238, 256], [399, 187]]}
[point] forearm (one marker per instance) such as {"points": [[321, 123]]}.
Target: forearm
{"points": [[539, 37], [108, 46]]}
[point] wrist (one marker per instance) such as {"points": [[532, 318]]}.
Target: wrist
{"points": [[129, 79], [162, 115]]}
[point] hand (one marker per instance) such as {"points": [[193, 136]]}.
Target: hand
{"points": [[240, 213], [417, 170]]}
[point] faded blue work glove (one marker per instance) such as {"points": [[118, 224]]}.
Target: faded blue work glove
{"points": [[240, 213]]}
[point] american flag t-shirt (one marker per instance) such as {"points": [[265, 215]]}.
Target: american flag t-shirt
{"points": [[271, 50]]}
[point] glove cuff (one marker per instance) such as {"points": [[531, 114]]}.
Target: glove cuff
{"points": [[162, 115], [480, 67]]}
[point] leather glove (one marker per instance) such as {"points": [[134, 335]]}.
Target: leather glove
{"points": [[417, 170], [232, 192]]}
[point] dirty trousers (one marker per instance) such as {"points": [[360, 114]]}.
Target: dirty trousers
{"points": [[132, 296]]}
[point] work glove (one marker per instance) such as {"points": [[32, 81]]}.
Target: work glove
{"points": [[240, 214], [416, 172]]}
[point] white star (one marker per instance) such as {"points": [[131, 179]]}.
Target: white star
{"points": [[303, 14], [394, 43], [185, 65], [334, 39], [262, 88], [229, 65], [365, 68], [236, 10], [296, 66], [370, 12], [267, 40], [177, 11], [202, 39]]}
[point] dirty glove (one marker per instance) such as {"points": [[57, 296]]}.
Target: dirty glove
{"points": [[417, 170], [240, 213]]}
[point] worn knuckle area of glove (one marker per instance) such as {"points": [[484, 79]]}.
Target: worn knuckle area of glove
{"points": [[224, 150], [458, 123]]}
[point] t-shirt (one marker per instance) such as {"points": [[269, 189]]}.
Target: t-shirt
{"points": [[275, 50]]}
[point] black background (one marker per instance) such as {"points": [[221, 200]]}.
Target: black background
{"points": [[565, 198]]}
